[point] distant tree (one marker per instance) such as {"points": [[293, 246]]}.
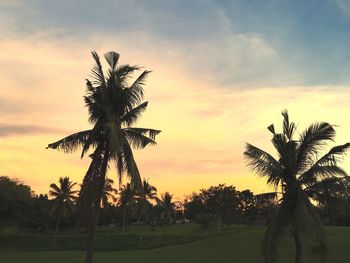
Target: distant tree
{"points": [[147, 194], [246, 205], [15, 200], [296, 168], [127, 201], [40, 215], [333, 198], [217, 204], [166, 207], [64, 197], [109, 192], [114, 106]]}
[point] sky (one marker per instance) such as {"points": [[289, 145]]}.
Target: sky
{"points": [[222, 71]]}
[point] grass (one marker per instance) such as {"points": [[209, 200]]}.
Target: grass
{"points": [[234, 244]]}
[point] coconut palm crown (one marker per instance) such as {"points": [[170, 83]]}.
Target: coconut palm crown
{"points": [[298, 167], [63, 195]]}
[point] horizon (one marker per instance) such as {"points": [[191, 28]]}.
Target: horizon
{"points": [[218, 81]]}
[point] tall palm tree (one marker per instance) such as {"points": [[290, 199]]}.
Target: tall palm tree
{"points": [[127, 198], [64, 197], [167, 207], [109, 192], [296, 168], [148, 193], [114, 104]]}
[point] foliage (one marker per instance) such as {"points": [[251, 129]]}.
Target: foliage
{"points": [[15, 198]]}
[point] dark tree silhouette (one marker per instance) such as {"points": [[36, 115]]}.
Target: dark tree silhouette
{"points": [[127, 201], [166, 207], [64, 197], [114, 105], [296, 168], [109, 192], [148, 193]]}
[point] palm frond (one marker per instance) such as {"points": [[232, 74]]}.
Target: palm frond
{"points": [[137, 140], [130, 166], [311, 140], [132, 116], [135, 93], [288, 128], [321, 172], [71, 142], [151, 133], [326, 166], [97, 72], [124, 72], [112, 59], [263, 164], [307, 222]]}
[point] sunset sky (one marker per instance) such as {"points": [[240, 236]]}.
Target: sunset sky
{"points": [[222, 72]]}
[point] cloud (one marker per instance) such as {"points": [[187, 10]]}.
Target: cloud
{"points": [[234, 43], [7, 130], [344, 6]]}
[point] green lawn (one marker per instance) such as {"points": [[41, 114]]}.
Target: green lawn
{"points": [[235, 244]]}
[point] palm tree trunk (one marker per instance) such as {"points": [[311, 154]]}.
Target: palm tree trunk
{"points": [[92, 237], [92, 228], [298, 248], [56, 230]]}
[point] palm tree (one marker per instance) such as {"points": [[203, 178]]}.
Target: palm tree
{"points": [[63, 197], [296, 168], [109, 192], [148, 193], [167, 207], [127, 197], [114, 105]]}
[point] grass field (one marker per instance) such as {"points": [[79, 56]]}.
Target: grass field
{"points": [[184, 243]]}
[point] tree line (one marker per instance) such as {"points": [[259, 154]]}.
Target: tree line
{"points": [[120, 208]]}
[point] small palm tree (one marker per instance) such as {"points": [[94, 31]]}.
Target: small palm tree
{"points": [[296, 168], [148, 193], [167, 207], [109, 192], [115, 104], [64, 197], [127, 198]]}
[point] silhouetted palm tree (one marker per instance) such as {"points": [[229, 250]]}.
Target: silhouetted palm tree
{"points": [[114, 106], [296, 168], [127, 198], [109, 192], [64, 197], [148, 193], [167, 207]]}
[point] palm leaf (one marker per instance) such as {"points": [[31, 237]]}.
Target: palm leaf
{"points": [[97, 72], [132, 116], [71, 142], [263, 164], [137, 139], [112, 59], [311, 141], [326, 166]]}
